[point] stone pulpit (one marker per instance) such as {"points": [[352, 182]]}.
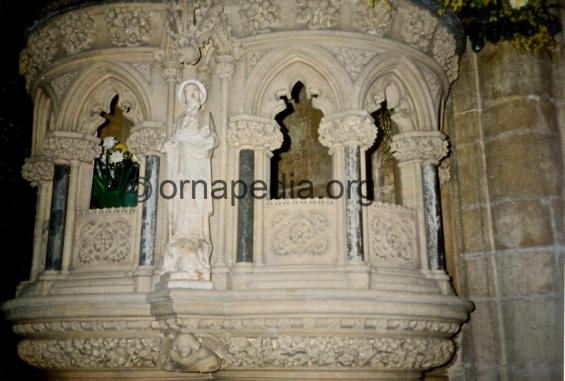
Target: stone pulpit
{"points": [[182, 106]]}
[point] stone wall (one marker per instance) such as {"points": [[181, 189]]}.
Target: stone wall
{"points": [[504, 213]]}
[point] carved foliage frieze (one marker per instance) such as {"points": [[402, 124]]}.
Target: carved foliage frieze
{"points": [[392, 235], [145, 140], [37, 169], [418, 28], [316, 14], [101, 352], [289, 352], [128, 26], [76, 30], [431, 146], [444, 52], [377, 19], [70, 148], [259, 15]]}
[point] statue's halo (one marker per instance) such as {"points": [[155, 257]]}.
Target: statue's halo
{"points": [[197, 83]]}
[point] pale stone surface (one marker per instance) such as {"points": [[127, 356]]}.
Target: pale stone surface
{"points": [[329, 290]]}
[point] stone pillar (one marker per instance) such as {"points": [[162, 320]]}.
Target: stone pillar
{"points": [[39, 172], [254, 138], [418, 154], [145, 141], [67, 150], [349, 134], [508, 205]]}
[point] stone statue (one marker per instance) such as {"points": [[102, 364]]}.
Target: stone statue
{"points": [[189, 150]]}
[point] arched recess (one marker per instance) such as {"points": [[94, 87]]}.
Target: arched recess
{"points": [[93, 93], [276, 75], [401, 84]]}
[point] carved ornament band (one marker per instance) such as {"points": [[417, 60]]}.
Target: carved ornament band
{"points": [[421, 145], [70, 146]]}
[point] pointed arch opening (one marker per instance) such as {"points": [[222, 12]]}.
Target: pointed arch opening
{"points": [[116, 171], [301, 168]]}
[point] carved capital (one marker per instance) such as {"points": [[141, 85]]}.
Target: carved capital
{"points": [[69, 146], [147, 138], [254, 132], [355, 127], [37, 169], [225, 67], [430, 146]]}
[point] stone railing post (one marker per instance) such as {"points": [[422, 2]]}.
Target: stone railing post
{"points": [[68, 151], [254, 138], [418, 154], [349, 134], [39, 172]]}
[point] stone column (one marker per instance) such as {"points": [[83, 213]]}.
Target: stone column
{"points": [[145, 141], [418, 154], [224, 69], [67, 150], [39, 172], [254, 138], [348, 135]]}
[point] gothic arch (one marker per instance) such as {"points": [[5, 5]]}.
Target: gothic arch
{"points": [[276, 74], [93, 93], [402, 84]]}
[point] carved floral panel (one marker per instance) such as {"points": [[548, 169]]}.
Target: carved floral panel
{"points": [[104, 237], [392, 236], [300, 231]]}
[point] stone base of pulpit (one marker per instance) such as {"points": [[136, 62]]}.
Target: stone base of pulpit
{"points": [[182, 280]]}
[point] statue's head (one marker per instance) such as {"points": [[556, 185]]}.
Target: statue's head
{"points": [[192, 94], [186, 344]]}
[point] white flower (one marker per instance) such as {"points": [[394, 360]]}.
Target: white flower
{"points": [[116, 157], [109, 142], [517, 4]]}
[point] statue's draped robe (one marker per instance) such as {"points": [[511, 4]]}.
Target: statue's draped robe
{"points": [[188, 159]]}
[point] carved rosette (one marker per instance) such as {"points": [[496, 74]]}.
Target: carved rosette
{"points": [[128, 26], [254, 133], [300, 233], [105, 242], [76, 31], [145, 140], [71, 146], [259, 15], [348, 128], [430, 146], [37, 169]]}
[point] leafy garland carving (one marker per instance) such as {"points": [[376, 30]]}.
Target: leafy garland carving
{"points": [[418, 28], [300, 234], [375, 20], [144, 140], [104, 242], [289, 352], [128, 26], [41, 48], [318, 14], [392, 236], [76, 30], [104, 352], [259, 15], [354, 60]]}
